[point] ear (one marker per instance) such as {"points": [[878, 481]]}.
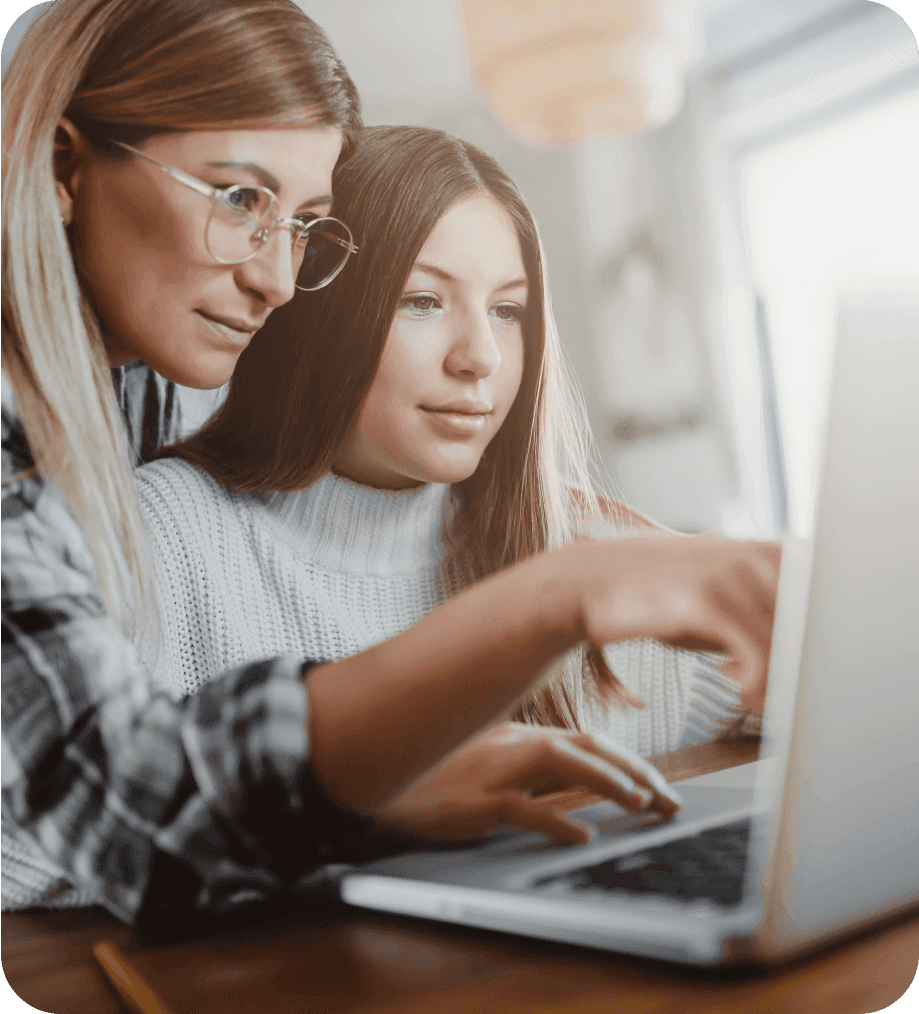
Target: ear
{"points": [[69, 155]]}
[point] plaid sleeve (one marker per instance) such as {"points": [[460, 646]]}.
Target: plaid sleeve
{"points": [[165, 812]]}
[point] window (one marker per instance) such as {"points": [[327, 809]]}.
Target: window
{"points": [[824, 210]]}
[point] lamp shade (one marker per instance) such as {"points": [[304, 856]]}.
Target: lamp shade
{"points": [[559, 71]]}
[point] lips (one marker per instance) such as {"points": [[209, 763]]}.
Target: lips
{"points": [[461, 407], [458, 419], [234, 331]]}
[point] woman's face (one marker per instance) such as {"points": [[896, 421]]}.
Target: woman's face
{"points": [[453, 359], [139, 243]]}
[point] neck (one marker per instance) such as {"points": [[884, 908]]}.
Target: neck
{"points": [[377, 482]]}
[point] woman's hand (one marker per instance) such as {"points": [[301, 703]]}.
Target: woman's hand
{"points": [[702, 593], [528, 777]]}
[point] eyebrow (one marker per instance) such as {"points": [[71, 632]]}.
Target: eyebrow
{"points": [[431, 269], [267, 180]]}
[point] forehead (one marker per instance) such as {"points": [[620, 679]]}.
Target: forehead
{"points": [[300, 158], [475, 235]]}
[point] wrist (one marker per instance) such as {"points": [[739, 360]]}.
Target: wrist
{"points": [[553, 587]]}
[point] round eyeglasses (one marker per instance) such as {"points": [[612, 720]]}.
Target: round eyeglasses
{"points": [[242, 218]]}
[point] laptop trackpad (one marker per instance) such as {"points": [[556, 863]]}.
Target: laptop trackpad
{"points": [[510, 859]]}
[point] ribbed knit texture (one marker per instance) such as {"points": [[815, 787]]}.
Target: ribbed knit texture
{"points": [[687, 699], [325, 572], [31, 878], [331, 570]]}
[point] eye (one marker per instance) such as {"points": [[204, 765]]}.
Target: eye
{"points": [[420, 303], [244, 199], [249, 201], [510, 312]]}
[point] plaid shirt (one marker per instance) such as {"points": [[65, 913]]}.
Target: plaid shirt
{"points": [[170, 814]]}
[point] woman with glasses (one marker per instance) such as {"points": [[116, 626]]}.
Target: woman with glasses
{"points": [[397, 437], [167, 176]]}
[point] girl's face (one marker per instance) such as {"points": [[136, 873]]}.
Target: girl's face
{"points": [[140, 246], [453, 359]]}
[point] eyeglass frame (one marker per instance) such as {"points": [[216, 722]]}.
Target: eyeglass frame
{"points": [[217, 197]]}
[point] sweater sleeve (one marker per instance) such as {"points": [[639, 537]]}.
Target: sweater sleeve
{"points": [[688, 700]]}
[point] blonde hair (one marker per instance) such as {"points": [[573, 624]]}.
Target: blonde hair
{"points": [[298, 387], [124, 70]]}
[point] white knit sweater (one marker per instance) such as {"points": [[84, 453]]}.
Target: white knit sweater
{"points": [[331, 570]]}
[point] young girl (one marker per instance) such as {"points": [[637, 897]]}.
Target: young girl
{"points": [[393, 439], [158, 207]]}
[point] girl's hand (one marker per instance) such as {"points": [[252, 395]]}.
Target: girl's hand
{"points": [[701, 593], [526, 776]]}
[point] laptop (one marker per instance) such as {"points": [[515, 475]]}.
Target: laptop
{"points": [[819, 838]]}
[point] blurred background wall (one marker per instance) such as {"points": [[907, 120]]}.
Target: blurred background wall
{"points": [[696, 268]]}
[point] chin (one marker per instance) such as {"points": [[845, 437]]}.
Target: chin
{"points": [[449, 472], [199, 383], [204, 374]]}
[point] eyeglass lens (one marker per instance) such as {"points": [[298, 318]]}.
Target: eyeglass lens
{"points": [[325, 245], [238, 227], [235, 223]]}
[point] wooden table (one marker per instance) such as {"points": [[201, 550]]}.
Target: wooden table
{"points": [[348, 960]]}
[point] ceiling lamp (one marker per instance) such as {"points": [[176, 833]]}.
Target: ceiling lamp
{"points": [[559, 71]]}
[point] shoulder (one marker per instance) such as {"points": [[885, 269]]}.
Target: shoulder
{"points": [[17, 455], [175, 477], [22, 486], [177, 497], [45, 553]]}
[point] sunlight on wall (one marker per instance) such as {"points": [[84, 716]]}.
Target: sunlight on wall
{"points": [[824, 211]]}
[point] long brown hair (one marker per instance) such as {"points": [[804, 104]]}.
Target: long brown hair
{"points": [[125, 70], [299, 386]]}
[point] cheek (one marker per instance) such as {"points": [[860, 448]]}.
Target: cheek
{"points": [[512, 359], [386, 409], [403, 378], [127, 241], [142, 264]]}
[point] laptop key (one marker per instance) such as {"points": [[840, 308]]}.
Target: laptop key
{"points": [[709, 865]]}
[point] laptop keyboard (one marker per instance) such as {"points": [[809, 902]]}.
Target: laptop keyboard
{"points": [[709, 865]]}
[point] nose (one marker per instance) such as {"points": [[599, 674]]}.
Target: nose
{"points": [[269, 275], [474, 353]]}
